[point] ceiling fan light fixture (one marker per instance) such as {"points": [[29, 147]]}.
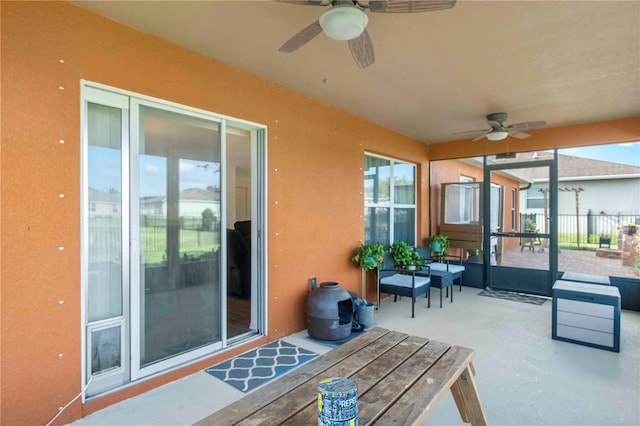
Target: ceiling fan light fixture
{"points": [[498, 135], [343, 22]]}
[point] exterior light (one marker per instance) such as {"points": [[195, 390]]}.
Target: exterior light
{"points": [[498, 135], [343, 22]]}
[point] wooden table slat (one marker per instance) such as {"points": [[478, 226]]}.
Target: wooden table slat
{"points": [[306, 394], [383, 396], [368, 376], [409, 408]]}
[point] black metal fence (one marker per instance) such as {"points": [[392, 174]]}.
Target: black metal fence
{"points": [[590, 227], [105, 238], [186, 222]]}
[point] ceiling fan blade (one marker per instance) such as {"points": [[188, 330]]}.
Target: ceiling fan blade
{"points": [[362, 50], [518, 135], [307, 2], [409, 6], [302, 38], [472, 131], [527, 125], [479, 137]]}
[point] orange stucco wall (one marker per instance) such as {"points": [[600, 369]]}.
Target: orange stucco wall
{"points": [[315, 184]]}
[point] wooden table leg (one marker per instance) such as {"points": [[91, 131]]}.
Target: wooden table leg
{"points": [[465, 394]]}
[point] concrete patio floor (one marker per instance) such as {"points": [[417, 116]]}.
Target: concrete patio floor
{"points": [[523, 376]]}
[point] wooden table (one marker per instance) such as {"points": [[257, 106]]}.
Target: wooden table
{"points": [[400, 380]]}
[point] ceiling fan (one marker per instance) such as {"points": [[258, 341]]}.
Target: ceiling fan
{"points": [[346, 20], [499, 131]]}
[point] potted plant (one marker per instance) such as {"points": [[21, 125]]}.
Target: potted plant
{"points": [[529, 225], [473, 255], [404, 256], [369, 256], [439, 243]]}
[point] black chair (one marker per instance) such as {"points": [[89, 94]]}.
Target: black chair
{"points": [[403, 282], [238, 265], [451, 264], [244, 227]]}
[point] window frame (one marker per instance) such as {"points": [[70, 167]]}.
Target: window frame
{"points": [[391, 204]]}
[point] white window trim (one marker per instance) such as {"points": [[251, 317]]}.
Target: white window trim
{"points": [[391, 205]]}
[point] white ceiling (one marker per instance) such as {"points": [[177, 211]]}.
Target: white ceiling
{"points": [[436, 73]]}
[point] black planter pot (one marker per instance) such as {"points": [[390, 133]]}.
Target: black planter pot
{"points": [[329, 310]]}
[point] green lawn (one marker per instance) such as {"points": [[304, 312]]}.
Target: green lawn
{"points": [[192, 244]]}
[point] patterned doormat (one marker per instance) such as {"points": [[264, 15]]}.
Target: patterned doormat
{"points": [[259, 366], [513, 296]]}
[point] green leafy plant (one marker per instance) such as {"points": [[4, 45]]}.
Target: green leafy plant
{"points": [[405, 256], [439, 245], [441, 242], [473, 255], [529, 225], [369, 256]]}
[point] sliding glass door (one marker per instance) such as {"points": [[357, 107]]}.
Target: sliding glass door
{"points": [[177, 197], [169, 195]]}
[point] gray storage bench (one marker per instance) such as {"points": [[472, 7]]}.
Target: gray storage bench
{"points": [[581, 277], [587, 314]]}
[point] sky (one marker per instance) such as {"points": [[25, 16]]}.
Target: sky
{"points": [[105, 166], [624, 153]]}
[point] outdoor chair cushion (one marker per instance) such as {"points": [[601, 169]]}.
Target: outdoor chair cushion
{"points": [[402, 280], [448, 267]]}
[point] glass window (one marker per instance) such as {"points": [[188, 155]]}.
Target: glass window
{"points": [[496, 207], [404, 224], [104, 221], [461, 203], [376, 225], [404, 183], [535, 198], [179, 170], [390, 200], [377, 175]]}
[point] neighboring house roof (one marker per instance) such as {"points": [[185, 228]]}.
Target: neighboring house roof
{"points": [[199, 194], [570, 166], [96, 195], [153, 199], [194, 194]]}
